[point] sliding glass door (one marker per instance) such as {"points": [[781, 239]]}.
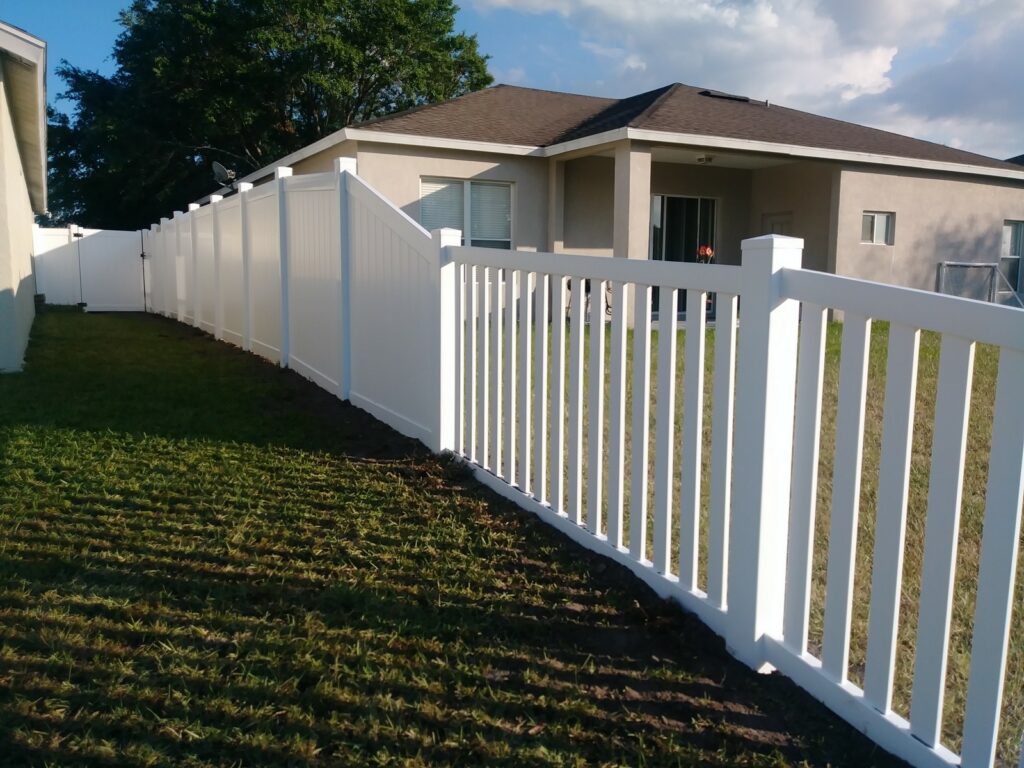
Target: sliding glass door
{"points": [[680, 228]]}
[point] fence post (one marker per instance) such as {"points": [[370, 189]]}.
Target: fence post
{"points": [[218, 304], [343, 166], [181, 290], [243, 205], [280, 174], [153, 267], [443, 434], [766, 385], [193, 289], [165, 259]]}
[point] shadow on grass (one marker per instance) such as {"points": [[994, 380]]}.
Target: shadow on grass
{"points": [[209, 561]]}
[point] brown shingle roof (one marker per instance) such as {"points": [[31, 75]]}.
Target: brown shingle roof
{"points": [[512, 115], [504, 114]]}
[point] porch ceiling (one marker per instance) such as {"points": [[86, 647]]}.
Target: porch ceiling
{"points": [[718, 159], [689, 156]]}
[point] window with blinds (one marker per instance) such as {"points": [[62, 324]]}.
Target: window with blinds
{"points": [[487, 218], [442, 204]]}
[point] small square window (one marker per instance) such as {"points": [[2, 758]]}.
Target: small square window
{"points": [[878, 227]]}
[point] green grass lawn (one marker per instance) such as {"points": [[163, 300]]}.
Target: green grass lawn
{"points": [[207, 561]]}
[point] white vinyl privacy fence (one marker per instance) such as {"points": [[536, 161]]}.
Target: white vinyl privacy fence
{"points": [[100, 268], [506, 359]]}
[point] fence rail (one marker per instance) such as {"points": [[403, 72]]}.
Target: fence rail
{"points": [[694, 464]]}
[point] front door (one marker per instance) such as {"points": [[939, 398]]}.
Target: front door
{"points": [[680, 227]]}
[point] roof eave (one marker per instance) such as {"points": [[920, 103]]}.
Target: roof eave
{"points": [[786, 150], [634, 134], [24, 59], [389, 137]]}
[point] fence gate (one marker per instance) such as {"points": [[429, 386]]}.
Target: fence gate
{"points": [[98, 268]]}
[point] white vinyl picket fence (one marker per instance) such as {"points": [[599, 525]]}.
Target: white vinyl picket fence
{"points": [[99, 268], [468, 350]]}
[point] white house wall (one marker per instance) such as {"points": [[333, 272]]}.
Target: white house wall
{"points": [[17, 284]]}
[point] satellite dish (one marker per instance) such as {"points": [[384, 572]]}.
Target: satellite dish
{"points": [[223, 176]]}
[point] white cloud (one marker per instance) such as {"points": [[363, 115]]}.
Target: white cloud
{"points": [[512, 76], [945, 70]]}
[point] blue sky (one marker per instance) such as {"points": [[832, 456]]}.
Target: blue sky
{"points": [[943, 70]]}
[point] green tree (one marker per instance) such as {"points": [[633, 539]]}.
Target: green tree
{"points": [[242, 82]]}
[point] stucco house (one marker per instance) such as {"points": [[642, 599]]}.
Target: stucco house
{"points": [[23, 183], [661, 174]]}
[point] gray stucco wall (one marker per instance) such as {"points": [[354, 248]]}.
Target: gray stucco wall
{"points": [[938, 218], [804, 192], [17, 284], [590, 205]]}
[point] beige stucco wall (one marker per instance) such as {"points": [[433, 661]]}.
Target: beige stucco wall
{"points": [[323, 161], [395, 171], [17, 284], [589, 206], [804, 191], [938, 218]]}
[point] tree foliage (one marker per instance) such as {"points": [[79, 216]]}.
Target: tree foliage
{"points": [[242, 82]]}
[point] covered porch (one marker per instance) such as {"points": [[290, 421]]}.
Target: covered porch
{"points": [[648, 200]]}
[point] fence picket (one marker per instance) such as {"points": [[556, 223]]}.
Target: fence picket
{"points": [[999, 549], [806, 438], [945, 490], [853, 378], [891, 514], [509, 413], [494, 394], [483, 365], [460, 358], [472, 315], [693, 439], [523, 465], [664, 429], [640, 432], [575, 439], [595, 414], [617, 416], [720, 501], [556, 498], [540, 395]]}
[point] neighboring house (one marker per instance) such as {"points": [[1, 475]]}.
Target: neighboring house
{"points": [[23, 183], [1018, 160], [660, 174]]}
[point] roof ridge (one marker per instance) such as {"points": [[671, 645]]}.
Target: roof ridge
{"points": [[653, 107], [548, 90]]}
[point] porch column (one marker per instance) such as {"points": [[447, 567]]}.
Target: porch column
{"points": [[632, 221], [556, 206]]}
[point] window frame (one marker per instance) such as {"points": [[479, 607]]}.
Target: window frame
{"points": [[1013, 230], [889, 235], [467, 205]]}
